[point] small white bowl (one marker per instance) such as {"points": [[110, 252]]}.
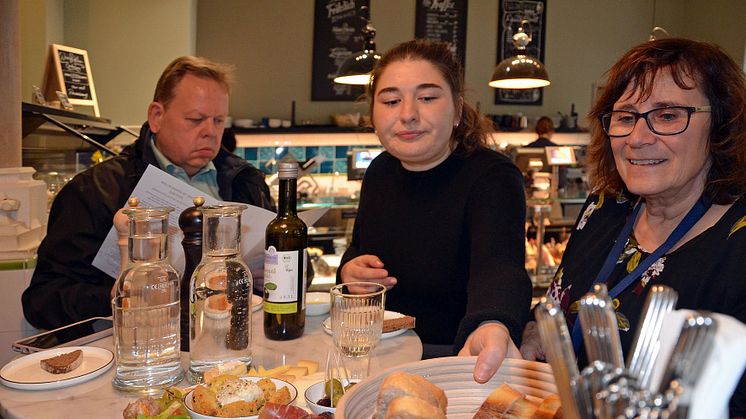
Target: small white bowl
{"points": [[317, 303], [313, 394], [244, 123]]}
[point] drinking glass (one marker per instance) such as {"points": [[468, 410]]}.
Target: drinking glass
{"points": [[357, 320], [357, 317]]}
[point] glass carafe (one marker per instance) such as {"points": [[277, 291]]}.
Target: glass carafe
{"points": [[146, 307], [220, 295]]}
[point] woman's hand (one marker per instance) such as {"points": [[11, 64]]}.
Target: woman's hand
{"points": [[492, 343], [366, 268], [531, 349]]}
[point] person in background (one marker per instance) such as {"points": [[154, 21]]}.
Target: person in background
{"points": [[182, 137], [441, 215], [544, 129], [667, 165]]}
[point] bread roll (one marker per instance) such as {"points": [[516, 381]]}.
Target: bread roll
{"points": [[407, 407], [549, 408], [521, 409], [401, 384], [499, 402]]}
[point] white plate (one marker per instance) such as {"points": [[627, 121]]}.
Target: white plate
{"points": [[455, 376], [278, 383], [26, 373], [256, 302], [387, 315]]}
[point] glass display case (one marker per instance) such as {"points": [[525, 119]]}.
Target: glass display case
{"points": [[59, 143]]}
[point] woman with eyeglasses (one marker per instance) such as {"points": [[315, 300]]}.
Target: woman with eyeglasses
{"points": [[667, 164]]}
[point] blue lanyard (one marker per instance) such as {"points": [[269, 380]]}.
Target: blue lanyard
{"points": [[695, 214]]}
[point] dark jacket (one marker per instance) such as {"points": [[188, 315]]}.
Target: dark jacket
{"points": [[65, 286]]}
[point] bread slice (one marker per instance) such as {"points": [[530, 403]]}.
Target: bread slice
{"points": [[406, 322], [399, 384], [521, 409], [63, 363], [407, 407], [549, 408], [499, 402]]}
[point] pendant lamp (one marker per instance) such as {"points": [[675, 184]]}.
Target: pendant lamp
{"points": [[356, 68], [520, 71]]}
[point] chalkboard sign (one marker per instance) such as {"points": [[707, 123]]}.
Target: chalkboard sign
{"points": [[68, 70], [443, 20], [510, 14], [337, 35]]}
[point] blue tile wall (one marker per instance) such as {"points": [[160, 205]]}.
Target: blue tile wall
{"points": [[327, 152], [340, 165], [299, 153], [335, 157]]}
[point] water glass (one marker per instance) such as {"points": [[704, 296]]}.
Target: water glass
{"points": [[357, 317]]}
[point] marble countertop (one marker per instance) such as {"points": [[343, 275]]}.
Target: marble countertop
{"points": [[98, 399]]}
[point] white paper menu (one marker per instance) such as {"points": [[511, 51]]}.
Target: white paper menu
{"points": [[157, 188]]}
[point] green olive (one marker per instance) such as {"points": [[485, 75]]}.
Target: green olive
{"points": [[333, 389]]}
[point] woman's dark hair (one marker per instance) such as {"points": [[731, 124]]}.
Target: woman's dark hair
{"points": [[704, 66], [544, 126], [473, 129]]}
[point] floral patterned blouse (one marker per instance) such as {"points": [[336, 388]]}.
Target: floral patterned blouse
{"points": [[708, 272]]}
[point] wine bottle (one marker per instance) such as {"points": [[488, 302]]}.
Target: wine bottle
{"points": [[285, 260]]}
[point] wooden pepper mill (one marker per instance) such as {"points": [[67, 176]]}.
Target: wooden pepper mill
{"points": [[190, 222]]}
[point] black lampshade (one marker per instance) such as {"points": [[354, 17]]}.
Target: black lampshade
{"points": [[520, 71], [356, 68]]}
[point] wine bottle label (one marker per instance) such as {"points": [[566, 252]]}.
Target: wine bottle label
{"points": [[282, 270]]}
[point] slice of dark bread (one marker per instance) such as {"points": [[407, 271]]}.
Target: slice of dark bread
{"points": [[406, 322], [63, 363]]}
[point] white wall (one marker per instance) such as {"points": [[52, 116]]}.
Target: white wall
{"points": [[270, 43], [129, 43], [41, 24]]}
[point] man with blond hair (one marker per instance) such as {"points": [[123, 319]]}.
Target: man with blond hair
{"points": [[182, 137]]}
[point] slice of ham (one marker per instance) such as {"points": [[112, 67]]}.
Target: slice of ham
{"points": [[282, 411]]}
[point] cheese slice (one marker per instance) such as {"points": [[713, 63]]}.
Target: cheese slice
{"points": [[297, 371], [312, 366]]}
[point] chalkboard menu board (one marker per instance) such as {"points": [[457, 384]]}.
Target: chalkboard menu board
{"points": [[510, 14], [337, 35], [69, 71], [74, 75], [443, 20]]}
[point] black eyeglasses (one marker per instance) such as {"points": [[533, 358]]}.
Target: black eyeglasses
{"points": [[670, 120]]}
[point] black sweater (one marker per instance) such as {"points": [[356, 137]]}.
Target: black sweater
{"points": [[453, 236]]}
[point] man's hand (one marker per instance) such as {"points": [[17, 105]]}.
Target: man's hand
{"points": [[531, 349], [366, 268], [492, 343]]}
